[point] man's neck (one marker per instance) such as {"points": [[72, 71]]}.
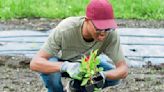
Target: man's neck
{"points": [[86, 35]]}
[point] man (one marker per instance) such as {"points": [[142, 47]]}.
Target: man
{"points": [[77, 36]]}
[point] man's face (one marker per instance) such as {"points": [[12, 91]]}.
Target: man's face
{"points": [[97, 34]]}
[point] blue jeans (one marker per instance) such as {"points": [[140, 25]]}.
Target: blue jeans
{"points": [[53, 81]]}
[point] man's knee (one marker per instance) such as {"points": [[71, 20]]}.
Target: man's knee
{"points": [[105, 63], [52, 82]]}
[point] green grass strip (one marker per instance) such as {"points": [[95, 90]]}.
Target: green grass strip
{"points": [[124, 9]]}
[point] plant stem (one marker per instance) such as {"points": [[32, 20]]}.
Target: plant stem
{"points": [[90, 78]]}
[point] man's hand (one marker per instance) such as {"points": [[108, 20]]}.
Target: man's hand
{"points": [[73, 69], [120, 72], [102, 73]]}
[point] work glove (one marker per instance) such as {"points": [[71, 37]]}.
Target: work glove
{"points": [[102, 73], [73, 69]]}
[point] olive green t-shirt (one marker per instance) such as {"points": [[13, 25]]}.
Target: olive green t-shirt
{"points": [[67, 40]]}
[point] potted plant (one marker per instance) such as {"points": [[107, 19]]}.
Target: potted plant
{"points": [[90, 73]]}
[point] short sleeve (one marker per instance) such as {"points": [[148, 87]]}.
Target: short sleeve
{"points": [[114, 50], [53, 43]]}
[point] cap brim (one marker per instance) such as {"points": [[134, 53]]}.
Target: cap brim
{"points": [[105, 24]]}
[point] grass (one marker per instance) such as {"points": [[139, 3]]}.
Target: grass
{"points": [[139, 9], [124, 9]]}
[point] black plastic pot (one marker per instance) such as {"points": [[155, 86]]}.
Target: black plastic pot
{"points": [[98, 81], [89, 88], [75, 85]]}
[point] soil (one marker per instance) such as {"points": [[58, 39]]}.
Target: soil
{"points": [[47, 24], [17, 77]]}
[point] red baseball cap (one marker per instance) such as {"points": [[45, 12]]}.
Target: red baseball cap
{"points": [[101, 14]]}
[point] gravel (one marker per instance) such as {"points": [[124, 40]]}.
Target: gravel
{"points": [[15, 75]]}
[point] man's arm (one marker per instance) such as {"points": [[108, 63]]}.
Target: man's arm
{"points": [[120, 72], [40, 63], [114, 51]]}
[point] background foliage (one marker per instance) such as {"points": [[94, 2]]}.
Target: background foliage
{"points": [[124, 9]]}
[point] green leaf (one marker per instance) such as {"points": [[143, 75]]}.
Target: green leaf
{"points": [[87, 75], [84, 82], [101, 69], [97, 89], [97, 61], [81, 74], [92, 72]]}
